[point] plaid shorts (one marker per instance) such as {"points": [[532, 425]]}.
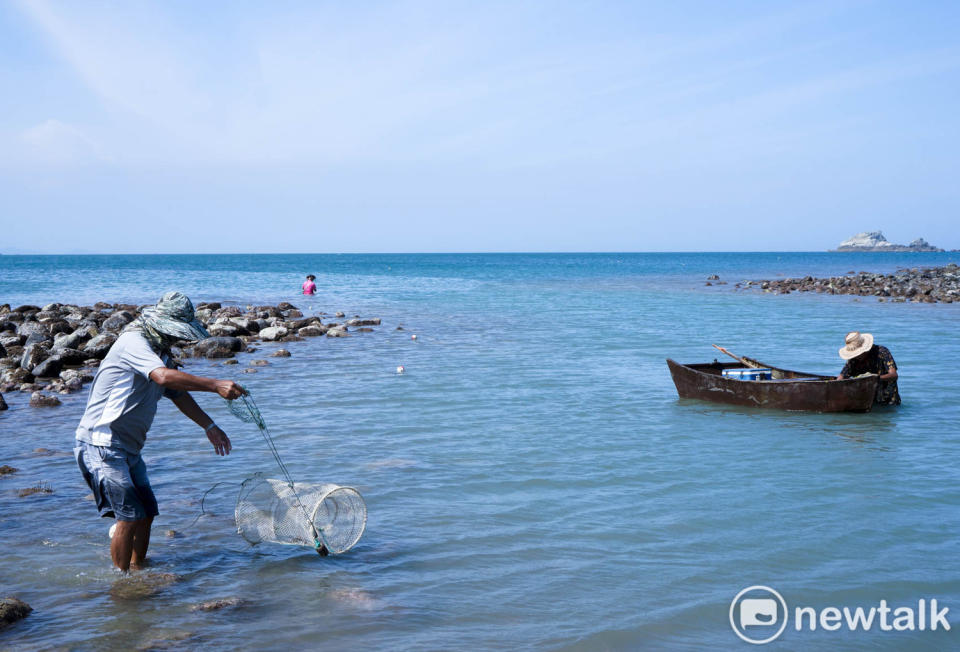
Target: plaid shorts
{"points": [[118, 480]]}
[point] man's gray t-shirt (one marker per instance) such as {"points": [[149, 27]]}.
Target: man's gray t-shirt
{"points": [[123, 399]]}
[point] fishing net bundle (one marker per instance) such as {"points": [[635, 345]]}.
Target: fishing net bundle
{"points": [[326, 517]]}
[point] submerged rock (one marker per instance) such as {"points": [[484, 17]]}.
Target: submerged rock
{"points": [[216, 605], [137, 586], [280, 353], [364, 322], [7, 470], [12, 610], [42, 489]]}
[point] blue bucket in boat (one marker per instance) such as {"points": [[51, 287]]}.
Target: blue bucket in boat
{"points": [[748, 374]]}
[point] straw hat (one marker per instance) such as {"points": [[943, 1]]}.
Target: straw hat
{"points": [[856, 344]]}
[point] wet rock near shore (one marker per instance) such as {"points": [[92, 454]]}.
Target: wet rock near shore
{"points": [[7, 470], [217, 605], [39, 399], [917, 285], [55, 349], [140, 585], [12, 610], [39, 489]]}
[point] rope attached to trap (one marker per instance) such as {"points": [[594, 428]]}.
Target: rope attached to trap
{"points": [[245, 409]]}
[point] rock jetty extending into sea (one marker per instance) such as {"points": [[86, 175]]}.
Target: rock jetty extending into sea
{"points": [[926, 285], [55, 349]]}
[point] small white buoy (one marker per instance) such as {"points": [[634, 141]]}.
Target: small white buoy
{"points": [[113, 528], [413, 337], [400, 369]]}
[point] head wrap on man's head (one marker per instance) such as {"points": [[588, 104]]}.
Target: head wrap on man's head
{"points": [[168, 322]]}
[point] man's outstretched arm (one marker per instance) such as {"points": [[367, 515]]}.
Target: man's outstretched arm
{"points": [[186, 404], [173, 379]]}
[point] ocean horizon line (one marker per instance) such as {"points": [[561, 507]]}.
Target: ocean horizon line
{"points": [[464, 253]]}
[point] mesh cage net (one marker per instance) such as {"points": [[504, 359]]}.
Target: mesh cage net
{"points": [[267, 510]]}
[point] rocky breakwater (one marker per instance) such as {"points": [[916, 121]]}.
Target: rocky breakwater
{"points": [[55, 349], [919, 285]]}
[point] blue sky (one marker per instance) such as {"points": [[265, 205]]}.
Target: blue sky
{"points": [[477, 126]]}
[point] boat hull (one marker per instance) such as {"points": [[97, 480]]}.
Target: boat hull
{"points": [[790, 390]]}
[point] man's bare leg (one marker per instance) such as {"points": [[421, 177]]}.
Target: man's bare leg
{"points": [[121, 546], [141, 541]]}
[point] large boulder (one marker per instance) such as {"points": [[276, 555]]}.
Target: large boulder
{"points": [[219, 347], [58, 326], [15, 377], [34, 338], [28, 328], [364, 322], [49, 367], [34, 354], [224, 329], [245, 326], [75, 339], [311, 331], [12, 340], [117, 321], [100, 345], [69, 375], [272, 333]]}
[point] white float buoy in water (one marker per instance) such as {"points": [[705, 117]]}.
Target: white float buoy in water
{"points": [[400, 369], [413, 337]]}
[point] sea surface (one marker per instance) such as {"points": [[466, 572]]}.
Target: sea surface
{"points": [[532, 480]]}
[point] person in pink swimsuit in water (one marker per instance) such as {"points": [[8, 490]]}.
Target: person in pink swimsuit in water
{"points": [[309, 287]]}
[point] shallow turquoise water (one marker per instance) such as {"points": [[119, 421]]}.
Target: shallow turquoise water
{"points": [[532, 480]]}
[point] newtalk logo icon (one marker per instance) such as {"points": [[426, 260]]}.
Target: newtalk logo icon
{"points": [[758, 615]]}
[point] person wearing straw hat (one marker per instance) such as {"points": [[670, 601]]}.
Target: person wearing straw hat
{"points": [[865, 357], [137, 371]]}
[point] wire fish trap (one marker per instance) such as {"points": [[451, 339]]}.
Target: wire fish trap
{"points": [[271, 510]]}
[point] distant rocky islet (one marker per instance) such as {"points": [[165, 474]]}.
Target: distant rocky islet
{"points": [[875, 241], [55, 349]]}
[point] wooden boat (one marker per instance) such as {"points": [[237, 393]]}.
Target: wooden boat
{"points": [[789, 390]]}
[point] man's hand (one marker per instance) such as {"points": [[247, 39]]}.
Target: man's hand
{"points": [[229, 390], [220, 441]]}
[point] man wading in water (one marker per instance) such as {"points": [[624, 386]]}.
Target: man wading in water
{"points": [[137, 371]]}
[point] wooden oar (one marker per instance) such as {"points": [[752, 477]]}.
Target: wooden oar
{"points": [[735, 357]]}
